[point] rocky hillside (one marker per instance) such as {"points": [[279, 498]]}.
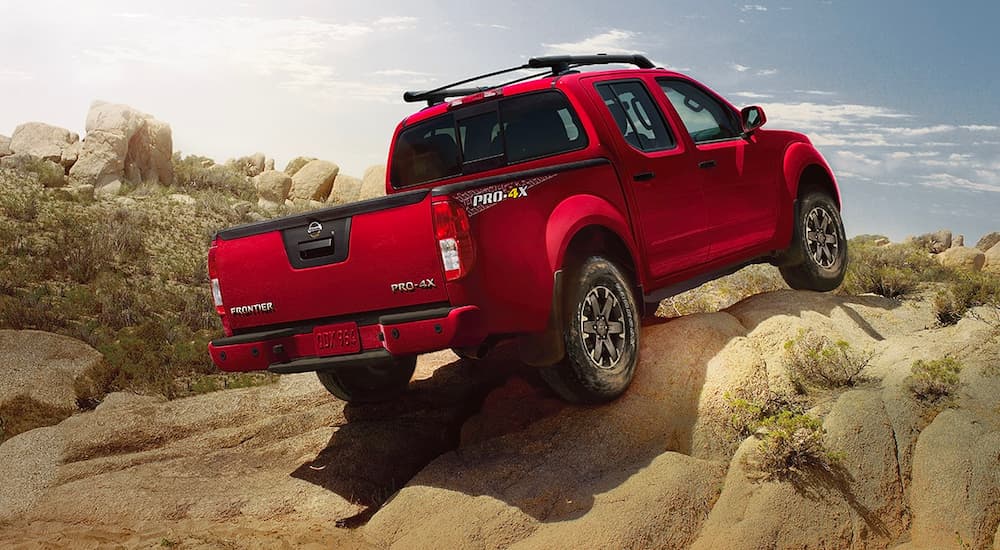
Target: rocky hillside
{"points": [[482, 456]]}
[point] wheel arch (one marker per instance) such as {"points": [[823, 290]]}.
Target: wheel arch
{"points": [[804, 167]]}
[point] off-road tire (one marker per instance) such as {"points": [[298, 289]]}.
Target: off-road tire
{"points": [[370, 384], [820, 242], [600, 320]]}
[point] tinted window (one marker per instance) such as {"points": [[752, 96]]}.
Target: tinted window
{"points": [[638, 118], [426, 152], [704, 118], [538, 125], [531, 126]]}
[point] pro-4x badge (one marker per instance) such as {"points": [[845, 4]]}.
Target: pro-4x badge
{"points": [[481, 198]]}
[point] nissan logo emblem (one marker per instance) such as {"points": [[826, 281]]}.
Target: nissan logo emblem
{"points": [[314, 229]]}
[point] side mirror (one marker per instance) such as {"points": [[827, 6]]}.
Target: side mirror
{"points": [[753, 117]]}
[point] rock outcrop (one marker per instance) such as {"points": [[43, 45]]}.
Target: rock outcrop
{"points": [[5, 146], [345, 189], [314, 181], [296, 164], [992, 259], [373, 182], [272, 187], [42, 368], [123, 144], [988, 241], [41, 140], [962, 257]]}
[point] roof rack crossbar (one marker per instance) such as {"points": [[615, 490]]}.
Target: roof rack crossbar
{"points": [[557, 64]]}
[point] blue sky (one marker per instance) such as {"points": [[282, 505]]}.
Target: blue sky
{"points": [[901, 97]]}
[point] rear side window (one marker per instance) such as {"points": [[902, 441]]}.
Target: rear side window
{"points": [[539, 125], [637, 117], [512, 130]]}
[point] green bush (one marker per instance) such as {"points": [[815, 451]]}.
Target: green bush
{"points": [[814, 360], [892, 271], [790, 444], [934, 381], [965, 291], [195, 172]]}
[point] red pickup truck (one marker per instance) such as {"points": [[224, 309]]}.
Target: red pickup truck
{"points": [[556, 209]]}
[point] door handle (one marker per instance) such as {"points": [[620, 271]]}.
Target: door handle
{"points": [[706, 164], [644, 176]]}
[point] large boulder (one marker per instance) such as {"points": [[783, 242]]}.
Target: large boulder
{"points": [[42, 140], [40, 370], [373, 182], [345, 189], [5, 146], [273, 186], [296, 164], [992, 256], [956, 481], [962, 257], [314, 180], [935, 242], [123, 143], [985, 243]]}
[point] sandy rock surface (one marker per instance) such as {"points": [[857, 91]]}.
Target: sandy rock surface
{"points": [[963, 257], [273, 186], [345, 189], [992, 256], [41, 140], [42, 366], [483, 456], [373, 182]]}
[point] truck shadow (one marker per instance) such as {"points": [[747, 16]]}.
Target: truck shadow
{"points": [[453, 431]]}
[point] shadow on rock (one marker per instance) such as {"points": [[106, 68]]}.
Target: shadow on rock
{"points": [[382, 445]]}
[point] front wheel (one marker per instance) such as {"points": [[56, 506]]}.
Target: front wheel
{"points": [[820, 241], [370, 383], [601, 333]]}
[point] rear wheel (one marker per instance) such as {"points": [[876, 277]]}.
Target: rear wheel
{"points": [[601, 333], [820, 242], [370, 383]]}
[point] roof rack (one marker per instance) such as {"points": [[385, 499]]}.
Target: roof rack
{"points": [[556, 65]]}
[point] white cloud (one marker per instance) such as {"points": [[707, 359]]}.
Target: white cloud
{"points": [[130, 15], [767, 72], [396, 22], [492, 26], [815, 92], [753, 7], [739, 68], [923, 131], [613, 41], [399, 72], [980, 128], [951, 181], [752, 95]]}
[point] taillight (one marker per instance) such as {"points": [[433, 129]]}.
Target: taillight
{"points": [[451, 227], [213, 276]]}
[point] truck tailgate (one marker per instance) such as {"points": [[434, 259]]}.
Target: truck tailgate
{"points": [[376, 255]]}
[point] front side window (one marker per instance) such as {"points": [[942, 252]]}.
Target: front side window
{"points": [[704, 118], [515, 129], [637, 117]]}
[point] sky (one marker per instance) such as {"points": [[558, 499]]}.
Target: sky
{"points": [[901, 97]]}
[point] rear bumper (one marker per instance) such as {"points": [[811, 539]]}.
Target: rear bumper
{"points": [[294, 349]]}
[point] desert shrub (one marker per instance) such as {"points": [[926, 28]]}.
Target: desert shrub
{"points": [[20, 195], [892, 271], [965, 291], [790, 444], [814, 360], [201, 173], [748, 412], [30, 309], [215, 382], [934, 381]]}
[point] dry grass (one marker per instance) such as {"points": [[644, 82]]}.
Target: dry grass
{"points": [[791, 443], [724, 292], [935, 381], [24, 413], [892, 271]]}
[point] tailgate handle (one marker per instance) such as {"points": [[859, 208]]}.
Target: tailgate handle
{"points": [[315, 249]]}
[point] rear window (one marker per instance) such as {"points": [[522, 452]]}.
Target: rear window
{"points": [[510, 131]]}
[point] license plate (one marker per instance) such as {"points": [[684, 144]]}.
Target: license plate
{"points": [[337, 339]]}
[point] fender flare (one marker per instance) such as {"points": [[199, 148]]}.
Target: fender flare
{"points": [[798, 157], [580, 211]]}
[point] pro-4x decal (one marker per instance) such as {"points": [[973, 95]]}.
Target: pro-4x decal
{"points": [[482, 198]]}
